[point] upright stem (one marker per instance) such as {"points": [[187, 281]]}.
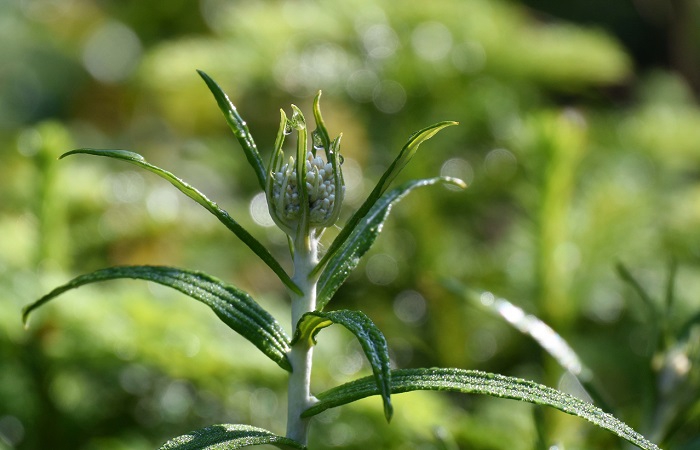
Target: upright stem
{"points": [[300, 357]]}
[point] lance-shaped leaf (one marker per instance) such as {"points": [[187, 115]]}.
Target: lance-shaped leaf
{"points": [[233, 306], [239, 128], [407, 152], [194, 194], [346, 258], [528, 324], [370, 337], [476, 382], [229, 437]]}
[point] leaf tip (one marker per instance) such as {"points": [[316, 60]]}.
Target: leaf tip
{"points": [[388, 410], [204, 75], [25, 316]]}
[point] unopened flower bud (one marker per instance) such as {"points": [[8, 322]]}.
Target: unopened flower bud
{"points": [[320, 185]]}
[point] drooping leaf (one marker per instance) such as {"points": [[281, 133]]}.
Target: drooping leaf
{"points": [[233, 306], [406, 154], [194, 194], [239, 128], [370, 337], [346, 257], [476, 382], [229, 437]]}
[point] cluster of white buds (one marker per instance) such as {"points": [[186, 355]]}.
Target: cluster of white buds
{"points": [[320, 186], [317, 204]]}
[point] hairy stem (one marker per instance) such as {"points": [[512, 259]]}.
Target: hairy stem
{"points": [[300, 357]]}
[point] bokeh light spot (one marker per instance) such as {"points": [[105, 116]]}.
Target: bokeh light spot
{"points": [[259, 211], [431, 41], [457, 168], [389, 96], [382, 269], [410, 307], [112, 52]]}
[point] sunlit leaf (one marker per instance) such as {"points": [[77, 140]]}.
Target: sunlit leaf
{"points": [[407, 152], [239, 128], [364, 233], [194, 194], [228, 437], [476, 382], [233, 306], [528, 324], [370, 337]]}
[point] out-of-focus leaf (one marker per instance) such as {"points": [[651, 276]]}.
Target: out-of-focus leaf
{"points": [[200, 198], [543, 334], [476, 382], [530, 325], [364, 233], [228, 437], [233, 306], [407, 152], [370, 337], [627, 277], [239, 128]]}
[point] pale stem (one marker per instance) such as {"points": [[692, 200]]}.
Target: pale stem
{"points": [[300, 357]]}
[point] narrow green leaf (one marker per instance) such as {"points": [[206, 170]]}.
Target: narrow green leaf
{"points": [[194, 194], [476, 382], [233, 306], [407, 152], [347, 256], [370, 337], [239, 128], [229, 437], [543, 334], [652, 308], [527, 324]]}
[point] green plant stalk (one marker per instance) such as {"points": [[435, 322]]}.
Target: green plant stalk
{"points": [[299, 396]]}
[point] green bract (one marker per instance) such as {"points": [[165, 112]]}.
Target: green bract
{"points": [[305, 194]]}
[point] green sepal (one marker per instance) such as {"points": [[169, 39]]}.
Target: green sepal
{"points": [[239, 128], [476, 382], [407, 152], [232, 305], [299, 123], [320, 134], [369, 336], [229, 437], [347, 256], [194, 194]]}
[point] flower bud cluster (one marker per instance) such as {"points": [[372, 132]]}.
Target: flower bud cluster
{"points": [[304, 195], [320, 186]]}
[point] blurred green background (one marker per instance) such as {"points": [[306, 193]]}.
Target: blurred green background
{"points": [[579, 138]]}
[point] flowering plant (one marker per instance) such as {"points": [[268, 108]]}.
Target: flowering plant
{"points": [[305, 194]]}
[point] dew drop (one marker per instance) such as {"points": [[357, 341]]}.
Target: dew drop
{"points": [[287, 128], [317, 141]]}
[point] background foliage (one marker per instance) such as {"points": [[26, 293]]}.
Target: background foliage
{"points": [[579, 137]]}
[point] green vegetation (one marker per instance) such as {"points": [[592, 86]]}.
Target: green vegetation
{"points": [[581, 166]]}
